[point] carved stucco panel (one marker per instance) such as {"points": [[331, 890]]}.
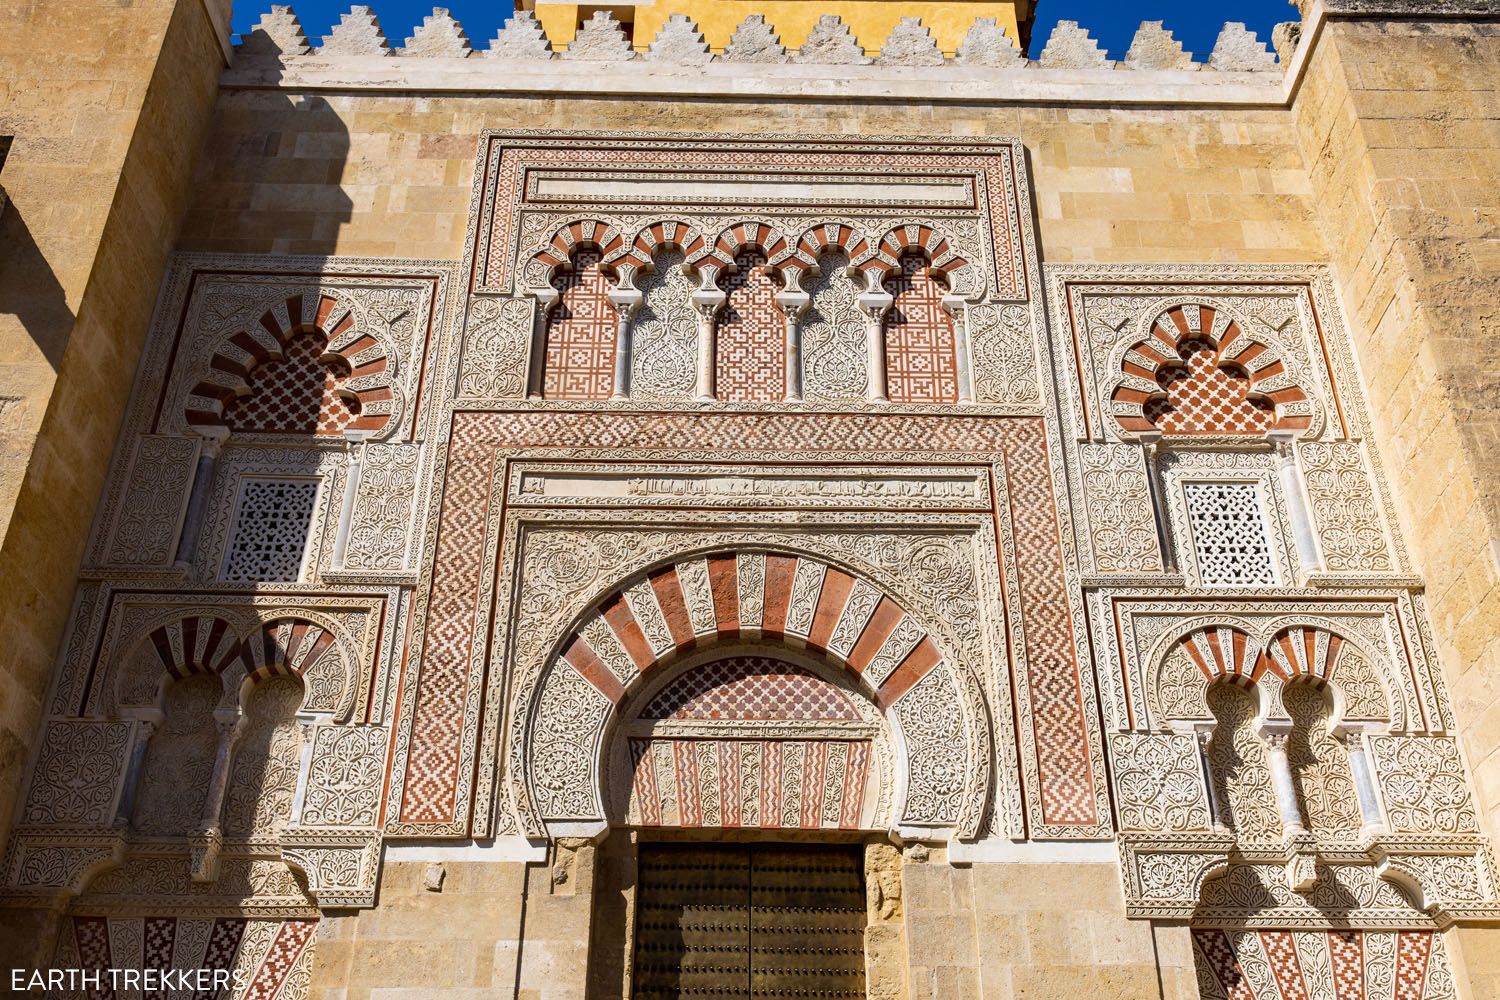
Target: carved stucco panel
{"points": [[1422, 783], [1003, 348], [1351, 528], [1122, 528], [380, 526], [344, 776], [664, 333], [834, 358], [76, 781], [496, 346], [148, 515], [1159, 782]]}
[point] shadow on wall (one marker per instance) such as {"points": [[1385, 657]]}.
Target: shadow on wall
{"points": [[271, 178], [29, 289]]}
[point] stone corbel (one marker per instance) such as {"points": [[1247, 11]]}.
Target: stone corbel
{"points": [[214, 437], [1290, 478], [626, 301], [341, 866], [206, 839], [707, 302], [793, 304], [874, 305], [536, 369], [957, 308]]}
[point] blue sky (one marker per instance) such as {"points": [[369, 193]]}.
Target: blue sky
{"points": [[1196, 24]]}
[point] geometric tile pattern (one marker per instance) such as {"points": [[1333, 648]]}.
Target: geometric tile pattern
{"points": [[291, 940], [1324, 964], [750, 362], [444, 684], [292, 395], [767, 784], [1057, 709], [269, 536], [750, 687], [162, 945], [581, 334], [1204, 398], [921, 365]]}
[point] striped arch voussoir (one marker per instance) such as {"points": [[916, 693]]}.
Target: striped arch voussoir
{"points": [[913, 238], [1304, 652], [825, 237], [583, 234], [362, 367], [727, 597], [286, 647], [718, 257], [198, 644], [658, 236], [1225, 653], [1146, 365]]}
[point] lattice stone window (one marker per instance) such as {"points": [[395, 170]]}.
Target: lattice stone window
{"points": [[268, 541], [1230, 541]]}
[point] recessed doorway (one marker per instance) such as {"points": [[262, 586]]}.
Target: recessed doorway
{"points": [[749, 920]]}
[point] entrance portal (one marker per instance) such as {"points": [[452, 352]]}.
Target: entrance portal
{"points": [[749, 920]]}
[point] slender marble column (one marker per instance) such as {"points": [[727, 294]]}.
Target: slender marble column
{"points": [[203, 482], [874, 305], [1290, 478], [546, 299], [1281, 779], [708, 302], [626, 301], [793, 304]]}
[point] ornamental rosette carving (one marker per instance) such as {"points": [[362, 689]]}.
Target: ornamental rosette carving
{"points": [[345, 776], [1159, 782], [1422, 784], [78, 773]]}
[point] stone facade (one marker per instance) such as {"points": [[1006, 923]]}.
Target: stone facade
{"points": [[1039, 497]]}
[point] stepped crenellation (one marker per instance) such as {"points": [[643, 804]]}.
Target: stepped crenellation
{"points": [[911, 43]]}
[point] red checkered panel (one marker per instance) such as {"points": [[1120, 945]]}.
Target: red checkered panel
{"points": [[751, 361], [1203, 398], [921, 364], [581, 334], [292, 395], [750, 687]]}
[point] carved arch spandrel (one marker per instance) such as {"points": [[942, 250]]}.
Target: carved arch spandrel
{"points": [[364, 366], [1239, 384], [777, 597], [240, 653], [1266, 656]]}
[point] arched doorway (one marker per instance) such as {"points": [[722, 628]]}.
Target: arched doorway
{"points": [[768, 758]]}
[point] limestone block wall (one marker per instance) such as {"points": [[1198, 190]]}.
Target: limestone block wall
{"points": [[1397, 121], [109, 106], [390, 175]]}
